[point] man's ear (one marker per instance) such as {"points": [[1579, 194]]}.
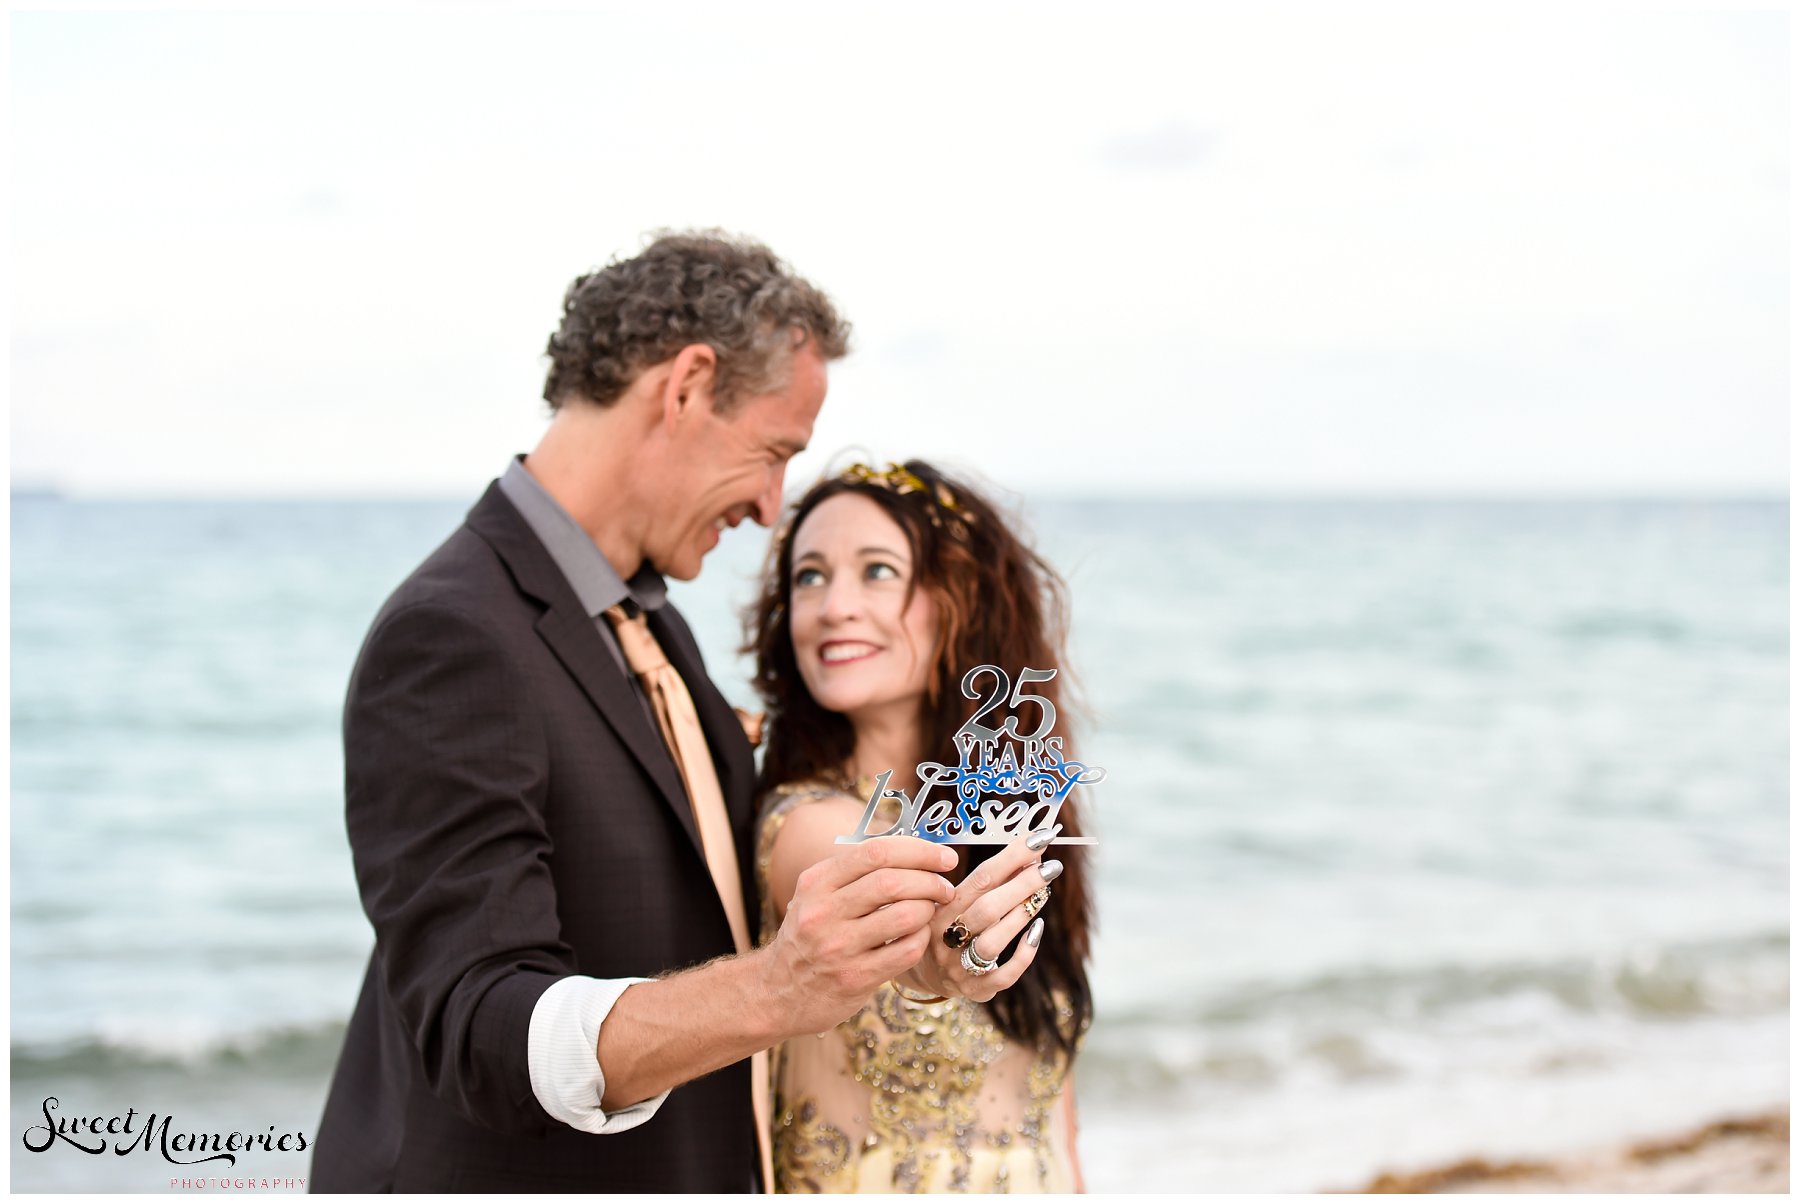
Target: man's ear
{"points": [[690, 382]]}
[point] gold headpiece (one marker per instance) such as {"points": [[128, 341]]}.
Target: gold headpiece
{"points": [[898, 479]]}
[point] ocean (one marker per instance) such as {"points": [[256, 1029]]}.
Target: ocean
{"points": [[1430, 829]]}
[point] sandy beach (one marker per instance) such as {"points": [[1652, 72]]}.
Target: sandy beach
{"points": [[1741, 1154]]}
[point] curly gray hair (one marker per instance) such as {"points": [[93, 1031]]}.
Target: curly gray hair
{"points": [[686, 287]]}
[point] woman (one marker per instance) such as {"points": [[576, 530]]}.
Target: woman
{"points": [[884, 588]]}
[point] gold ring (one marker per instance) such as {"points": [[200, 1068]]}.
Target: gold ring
{"points": [[1036, 903], [957, 934]]}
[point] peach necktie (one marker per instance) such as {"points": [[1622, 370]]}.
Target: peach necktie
{"points": [[681, 731]]}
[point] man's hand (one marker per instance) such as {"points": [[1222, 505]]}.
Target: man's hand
{"points": [[857, 919], [854, 920]]}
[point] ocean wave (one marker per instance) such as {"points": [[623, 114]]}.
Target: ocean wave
{"points": [[1727, 976], [1601, 626], [204, 718], [1250, 1034], [302, 1049], [1543, 1018]]}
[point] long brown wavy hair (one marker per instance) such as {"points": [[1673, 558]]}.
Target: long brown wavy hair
{"points": [[998, 603]]}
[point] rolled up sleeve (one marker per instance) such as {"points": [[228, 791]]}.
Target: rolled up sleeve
{"points": [[565, 1033]]}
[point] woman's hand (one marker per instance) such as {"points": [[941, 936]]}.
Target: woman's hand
{"points": [[990, 903]]}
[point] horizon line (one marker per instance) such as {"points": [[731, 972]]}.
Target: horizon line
{"points": [[52, 493]]}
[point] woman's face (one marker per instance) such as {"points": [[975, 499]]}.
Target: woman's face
{"points": [[861, 646]]}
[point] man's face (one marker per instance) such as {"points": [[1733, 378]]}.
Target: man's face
{"points": [[726, 468]]}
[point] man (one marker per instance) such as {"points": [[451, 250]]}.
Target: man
{"points": [[554, 877]]}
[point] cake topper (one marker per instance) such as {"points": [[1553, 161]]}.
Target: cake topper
{"points": [[1005, 785]]}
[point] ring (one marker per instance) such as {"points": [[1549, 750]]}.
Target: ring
{"points": [[1036, 903], [957, 935], [974, 963]]}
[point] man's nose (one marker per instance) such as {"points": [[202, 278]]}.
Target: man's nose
{"points": [[768, 506]]}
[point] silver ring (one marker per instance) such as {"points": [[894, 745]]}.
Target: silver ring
{"points": [[974, 963]]}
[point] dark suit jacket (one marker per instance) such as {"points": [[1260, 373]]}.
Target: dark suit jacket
{"points": [[515, 818]]}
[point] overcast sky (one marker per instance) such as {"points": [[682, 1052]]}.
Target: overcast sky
{"points": [[1120, 248]]}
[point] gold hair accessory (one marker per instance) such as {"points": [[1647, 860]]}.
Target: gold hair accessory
{"points": [[899, 480], [895, 478]]}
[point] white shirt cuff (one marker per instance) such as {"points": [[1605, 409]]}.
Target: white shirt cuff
{"points": [[561, 1053]]}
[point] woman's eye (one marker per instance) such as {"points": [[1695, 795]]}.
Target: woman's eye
{"points": [[882, 572], [807, 577]]}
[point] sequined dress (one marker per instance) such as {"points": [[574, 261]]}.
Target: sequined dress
{"points": [[910, 1097]]}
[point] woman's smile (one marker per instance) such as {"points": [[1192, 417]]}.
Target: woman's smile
{"points": [[843, 652]]}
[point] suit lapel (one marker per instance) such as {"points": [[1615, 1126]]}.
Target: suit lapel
{"points": [[571, 635]]}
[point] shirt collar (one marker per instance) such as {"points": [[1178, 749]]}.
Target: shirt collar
{"points": [[595, 581]]}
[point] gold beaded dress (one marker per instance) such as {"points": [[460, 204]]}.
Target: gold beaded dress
{"points": [[912, 1097]]}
